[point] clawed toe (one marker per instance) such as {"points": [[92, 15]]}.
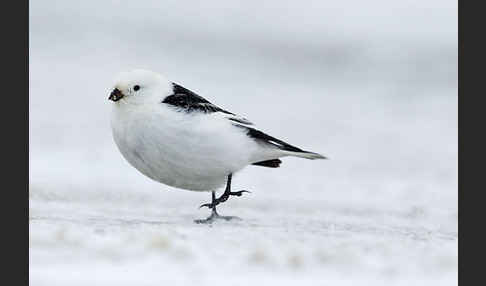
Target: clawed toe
{"points": [[223, 198], [228, 218], [207, 205], [214, 217], [239, 193], [216, 201]]}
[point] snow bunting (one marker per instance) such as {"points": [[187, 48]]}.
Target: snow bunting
{"points": [[178, 138]]}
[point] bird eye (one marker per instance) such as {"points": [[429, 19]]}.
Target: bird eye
{"points": [[137, 87]]}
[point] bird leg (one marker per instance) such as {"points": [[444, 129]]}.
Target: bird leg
{"points": [[227, 193], [216, 201], [214, 214]]}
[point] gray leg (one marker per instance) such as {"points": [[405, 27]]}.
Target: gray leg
{"points": [[216, 201]]}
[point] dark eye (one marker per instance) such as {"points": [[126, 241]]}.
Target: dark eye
{"points": [[137, 87]]}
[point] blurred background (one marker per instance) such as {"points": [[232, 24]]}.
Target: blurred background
{"points": [[370, 84]]}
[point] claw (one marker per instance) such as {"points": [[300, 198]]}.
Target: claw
{"points": [[207, 205], [216, 201], [239, 193]]}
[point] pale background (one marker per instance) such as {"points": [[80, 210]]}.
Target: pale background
{"points": [[370, 84]]}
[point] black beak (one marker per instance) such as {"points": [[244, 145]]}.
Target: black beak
{"points": [[116, 95]]}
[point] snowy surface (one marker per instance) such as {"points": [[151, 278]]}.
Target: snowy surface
{"points": [[375, 90]]}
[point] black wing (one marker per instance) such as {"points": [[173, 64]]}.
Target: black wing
{"points": [[274, 163], [189, 101], [265, 138]]}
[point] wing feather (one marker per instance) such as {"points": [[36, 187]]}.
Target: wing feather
{"points": [[188, 101]]}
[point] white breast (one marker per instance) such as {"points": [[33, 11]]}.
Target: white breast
{"points": [[194, 151]]}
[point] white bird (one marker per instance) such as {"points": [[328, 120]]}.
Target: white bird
{"points": [[176, 137]]}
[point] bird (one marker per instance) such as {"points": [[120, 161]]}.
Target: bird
{"points": [[178, 138]]}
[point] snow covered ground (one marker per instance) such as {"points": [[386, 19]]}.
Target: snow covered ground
{"points": [[376, 96]]}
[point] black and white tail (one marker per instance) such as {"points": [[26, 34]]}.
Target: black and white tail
{"points": [[285, 148], [306, 155]]}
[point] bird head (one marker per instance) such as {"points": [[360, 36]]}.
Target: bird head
{"points": [[139, 87]]}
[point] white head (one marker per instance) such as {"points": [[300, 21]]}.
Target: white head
{"points": [[140, 87]]}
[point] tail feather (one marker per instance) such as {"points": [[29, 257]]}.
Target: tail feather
{"points": [[306, 155], [285, 148], [274, 163]]}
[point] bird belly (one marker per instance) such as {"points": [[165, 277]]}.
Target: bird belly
{"points": [[189, 154]]}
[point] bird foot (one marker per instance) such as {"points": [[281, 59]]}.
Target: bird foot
{"points": [[215, 216], [239, 193], [223, 198]]}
